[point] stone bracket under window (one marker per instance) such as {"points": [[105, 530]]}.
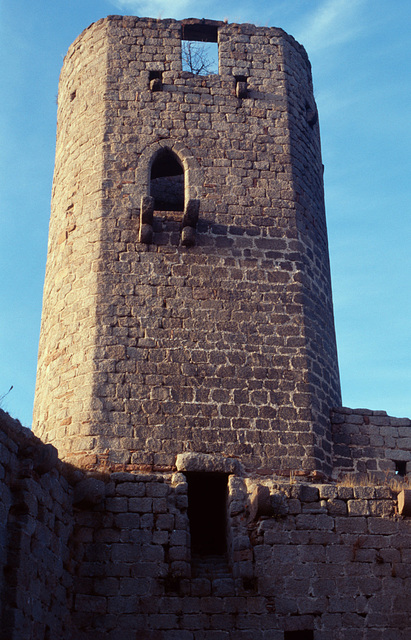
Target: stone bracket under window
{"points": [[189, 223], [146, 219], [241, 90], [155, 80]]}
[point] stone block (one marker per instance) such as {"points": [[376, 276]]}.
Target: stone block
{"points": [[165, 521], [91, 604], [222, 587], [336, 507], [131, 489], [358, 508], [294, 506], [345, 493], [181, 569], [117, 505], [309, 521], [179, 537], [200, 587], [140, 505], [327, 491], [260, 503], [396, 454], [127, 520], [158, 490], [364, 492], [315, 507], [88, 492], [160, 505], [350, 525], [207, 462], [133, 586], [382, 508]]}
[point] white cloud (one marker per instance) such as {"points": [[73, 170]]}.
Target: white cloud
{"points": [[335, 22], [155, 8]]}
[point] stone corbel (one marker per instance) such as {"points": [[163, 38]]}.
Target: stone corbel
{"points": [[146, 219], [189, 223], [241, 90]]}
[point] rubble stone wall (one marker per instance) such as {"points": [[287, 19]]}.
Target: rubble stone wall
{"points": [[111, 554], [331, 559], [35, 526]]}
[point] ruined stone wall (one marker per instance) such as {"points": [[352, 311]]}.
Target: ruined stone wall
{"points": [[150, 350], [333, 560], [35, 526], [112, 554], [370, 442]]}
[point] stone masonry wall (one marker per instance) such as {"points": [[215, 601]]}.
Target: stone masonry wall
{"points": [[111, 554], [206, 373], [35, 526], [67, 340], [370, 442], [331, 559], [228, 347]]}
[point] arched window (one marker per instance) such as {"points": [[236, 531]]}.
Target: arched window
{"points": [[167, 182]]}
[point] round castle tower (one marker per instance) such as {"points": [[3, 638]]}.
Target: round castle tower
{"points": [[187, 301]]}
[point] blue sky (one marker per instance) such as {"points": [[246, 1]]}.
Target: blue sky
{"points": [[360, 54]]}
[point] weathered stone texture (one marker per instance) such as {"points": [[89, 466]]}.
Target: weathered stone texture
{"points": [[370, 443], [153, 348], [187, 360], [35, 526], [307, 566]]}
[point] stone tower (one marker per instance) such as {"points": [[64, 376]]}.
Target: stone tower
{"points": [[187, 361], [187, 301]]}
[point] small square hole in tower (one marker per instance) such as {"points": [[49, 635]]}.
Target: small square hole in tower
{"points": [[199, 49], [299, 635], [207, 513], [400, 468], [155, 80]]}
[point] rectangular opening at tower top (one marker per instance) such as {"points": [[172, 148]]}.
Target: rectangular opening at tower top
{"points": [[199, 49]]}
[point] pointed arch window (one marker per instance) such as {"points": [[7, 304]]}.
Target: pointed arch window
{"points": [[164, 191], [167, 182]]}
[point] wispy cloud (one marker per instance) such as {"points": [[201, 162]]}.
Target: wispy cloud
{"points": [[156, 8], [333, 23]]}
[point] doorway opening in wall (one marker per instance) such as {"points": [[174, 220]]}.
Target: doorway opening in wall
{"points": [[207, 513], [199, 49], [167, 182], [299, 635]]}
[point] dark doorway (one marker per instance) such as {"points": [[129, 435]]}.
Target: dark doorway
{"points": [[207, 504], [167, 182]]}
